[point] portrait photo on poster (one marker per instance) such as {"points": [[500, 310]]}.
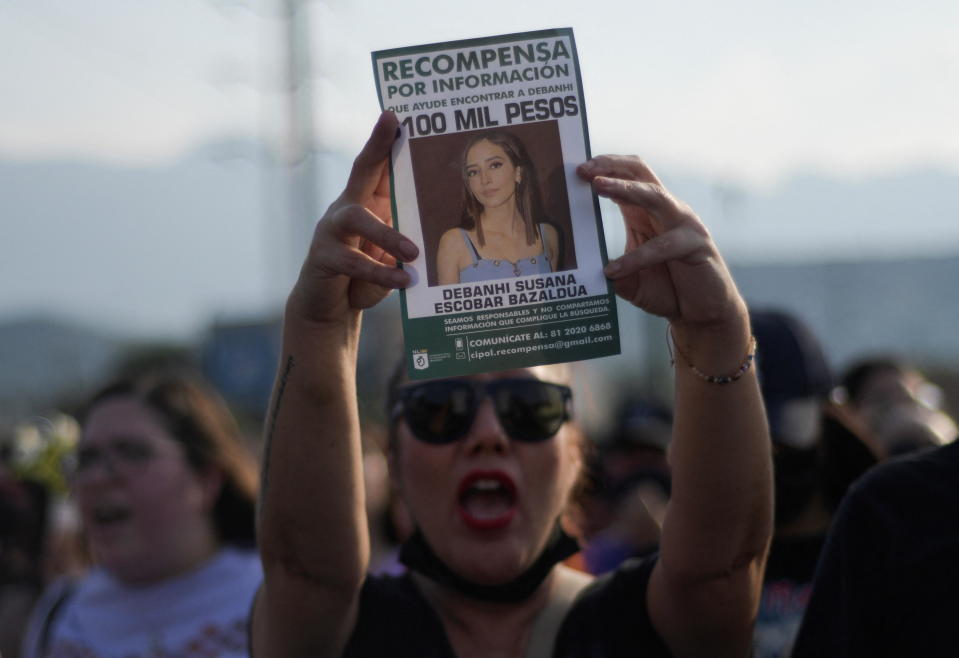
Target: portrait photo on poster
{"points": [[493, 203]]}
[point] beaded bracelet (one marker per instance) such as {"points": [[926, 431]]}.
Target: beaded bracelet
{"points": [[712, 379]]}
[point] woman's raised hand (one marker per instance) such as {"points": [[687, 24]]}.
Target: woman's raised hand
{"points": [[671, 266], [351, 264]]}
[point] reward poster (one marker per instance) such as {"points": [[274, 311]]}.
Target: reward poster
{"points": [[484, 182]]}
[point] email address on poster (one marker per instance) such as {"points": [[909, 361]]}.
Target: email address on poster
{"points": [[561, 344]]}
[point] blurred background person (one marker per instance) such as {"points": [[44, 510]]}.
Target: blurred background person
{"points": [[23, 521], [912, 427], [39, 534], [166, 495], [873, 384], [886, 582], [897, 403], [387, 518], [817, 452], [622, 509]]}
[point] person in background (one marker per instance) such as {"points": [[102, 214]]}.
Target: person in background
{"points": [[23, 535], [388, 522], [625, 502], [897, 404], [886, 582], [166, 494], [873, 384], [817, 452], [487, 464], [39, 536], [912, 427]]}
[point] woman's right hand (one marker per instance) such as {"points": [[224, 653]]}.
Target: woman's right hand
{"points": [[351, 264]]}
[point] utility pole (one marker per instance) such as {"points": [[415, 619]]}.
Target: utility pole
{"points": [[300, 152]]}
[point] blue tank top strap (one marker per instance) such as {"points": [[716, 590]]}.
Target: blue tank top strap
{"points": [[542, 238], [469, 243]]}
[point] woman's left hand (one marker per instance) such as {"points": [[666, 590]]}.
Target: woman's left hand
{"points": [[671, 266], [705, 587]]}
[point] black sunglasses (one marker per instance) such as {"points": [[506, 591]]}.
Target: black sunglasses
{"points": [[443, 411]]}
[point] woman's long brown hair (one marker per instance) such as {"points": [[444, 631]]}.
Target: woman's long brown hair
{"points": [[528, 201]]}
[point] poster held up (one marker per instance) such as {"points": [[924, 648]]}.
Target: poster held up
{"points": [[492, 132]]}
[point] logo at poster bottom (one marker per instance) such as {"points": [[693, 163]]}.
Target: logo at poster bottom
{"points": [[421, 359]]}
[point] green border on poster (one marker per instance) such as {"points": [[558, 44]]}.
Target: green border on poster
{"points": [[605, 344]]}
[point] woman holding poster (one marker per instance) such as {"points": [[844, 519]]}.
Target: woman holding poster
{"points": [[503, 232], [487, 465]]}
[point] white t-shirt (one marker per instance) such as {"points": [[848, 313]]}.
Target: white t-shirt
{"points": [[200, 613]]}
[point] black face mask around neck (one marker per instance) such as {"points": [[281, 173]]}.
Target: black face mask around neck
{"points": [[417, 554]]}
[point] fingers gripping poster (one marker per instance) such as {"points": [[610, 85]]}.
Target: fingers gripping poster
{"points": [[484, 182]]}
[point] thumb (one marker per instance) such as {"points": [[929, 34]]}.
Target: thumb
{"points": [[368, 165]]}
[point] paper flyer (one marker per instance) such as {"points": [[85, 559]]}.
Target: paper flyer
{"points": [[484, 182]]}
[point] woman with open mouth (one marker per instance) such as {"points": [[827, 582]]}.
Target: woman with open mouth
{"points": [[166, 494], [487, 464]]}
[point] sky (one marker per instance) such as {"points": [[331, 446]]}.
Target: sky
{"points": [[746, 90], [746, 94]]}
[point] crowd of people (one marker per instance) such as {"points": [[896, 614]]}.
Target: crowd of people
{"points": [[767, 509]]}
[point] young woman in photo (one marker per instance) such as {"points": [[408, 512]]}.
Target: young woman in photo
{"points": [[503, 232]]}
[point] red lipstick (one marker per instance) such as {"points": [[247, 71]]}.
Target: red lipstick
{"points": [[487, 500]]}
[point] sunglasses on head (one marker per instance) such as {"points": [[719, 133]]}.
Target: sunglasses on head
{"points": [[443, 411]]}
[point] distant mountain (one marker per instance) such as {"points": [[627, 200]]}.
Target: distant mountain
{"points": [[163, 251], [811, 218], [906, 306], [151, 251], [43, 358]]}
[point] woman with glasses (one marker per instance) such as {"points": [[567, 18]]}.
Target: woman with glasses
{"points": [[166, 495], [486, 465]]}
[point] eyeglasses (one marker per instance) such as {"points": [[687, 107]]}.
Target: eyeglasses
{"points": [[127, 456], [443, 411]]}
